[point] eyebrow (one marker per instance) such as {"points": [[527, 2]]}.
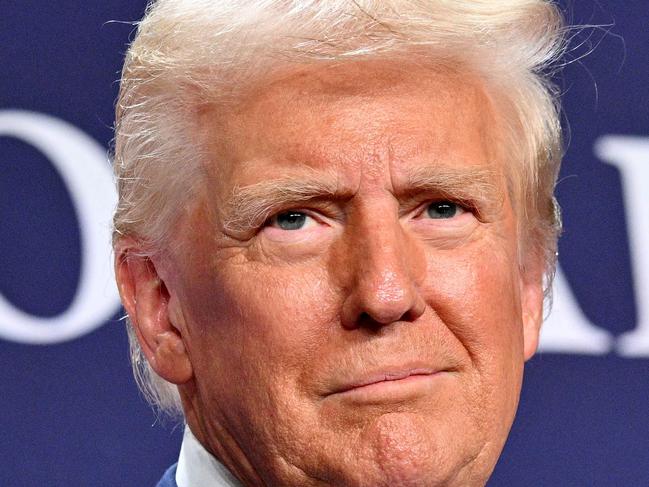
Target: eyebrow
{"points": [[481, 188], [250, 206]]}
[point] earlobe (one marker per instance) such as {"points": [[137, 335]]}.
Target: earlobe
{"points": [[532, 314], [146, 299]]}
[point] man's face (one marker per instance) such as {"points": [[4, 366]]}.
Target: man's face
{"points": [[347, 283]]}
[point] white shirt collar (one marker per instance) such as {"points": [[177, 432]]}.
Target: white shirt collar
{"points": [[198, 468]]}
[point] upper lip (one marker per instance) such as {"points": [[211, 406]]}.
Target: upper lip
{"points": [[384, 375]]}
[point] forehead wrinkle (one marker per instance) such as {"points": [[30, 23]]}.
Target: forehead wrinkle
{"points": [[251, 205]]}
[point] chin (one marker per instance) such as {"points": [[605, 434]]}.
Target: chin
{"points": [[405, 449]]}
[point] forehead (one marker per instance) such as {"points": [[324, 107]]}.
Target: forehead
{"points": [[352, 117]]}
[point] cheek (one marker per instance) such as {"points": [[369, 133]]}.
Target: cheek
{"points": [[262, 321], [476, 293], [476, 296]]}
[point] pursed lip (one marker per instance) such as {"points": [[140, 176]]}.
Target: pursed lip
{"points": [[385, 376]]}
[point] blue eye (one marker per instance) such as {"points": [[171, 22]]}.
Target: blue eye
{"points": [[442, 210], [290, 220]]}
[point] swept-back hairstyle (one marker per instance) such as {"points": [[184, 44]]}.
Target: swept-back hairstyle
{"points": [[188, 52]]}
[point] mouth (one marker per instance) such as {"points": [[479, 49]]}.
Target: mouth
{"points": [[389, 385], [387, 377]]}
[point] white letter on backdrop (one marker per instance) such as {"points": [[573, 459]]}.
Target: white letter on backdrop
{"points": [[83, 166], [631, 156]]}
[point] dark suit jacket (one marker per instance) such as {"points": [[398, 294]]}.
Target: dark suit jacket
{"points": [[169, 478]]}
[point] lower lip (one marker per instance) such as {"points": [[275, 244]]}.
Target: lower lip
{"points": [[392, 390]]}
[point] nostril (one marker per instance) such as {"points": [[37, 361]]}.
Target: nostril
{"points": [[412, 314], [417, 308], [386, 313], [365, 321], [373, 314]]}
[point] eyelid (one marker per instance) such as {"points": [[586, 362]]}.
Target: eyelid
{"points": [[273, 219], [423, 204], [315, 214]]}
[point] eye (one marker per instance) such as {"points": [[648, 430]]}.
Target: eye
{"points": [[291, 220], [441, 210]]}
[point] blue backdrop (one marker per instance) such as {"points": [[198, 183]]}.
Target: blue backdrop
{"points": [[70, 414]]}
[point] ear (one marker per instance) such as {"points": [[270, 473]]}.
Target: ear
{"points": [[532, 298], [146, 299]]}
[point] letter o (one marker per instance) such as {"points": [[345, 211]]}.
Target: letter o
{"points": [[83, 166]]}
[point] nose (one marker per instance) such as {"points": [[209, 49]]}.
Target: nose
{"points": [[384, 277]]}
